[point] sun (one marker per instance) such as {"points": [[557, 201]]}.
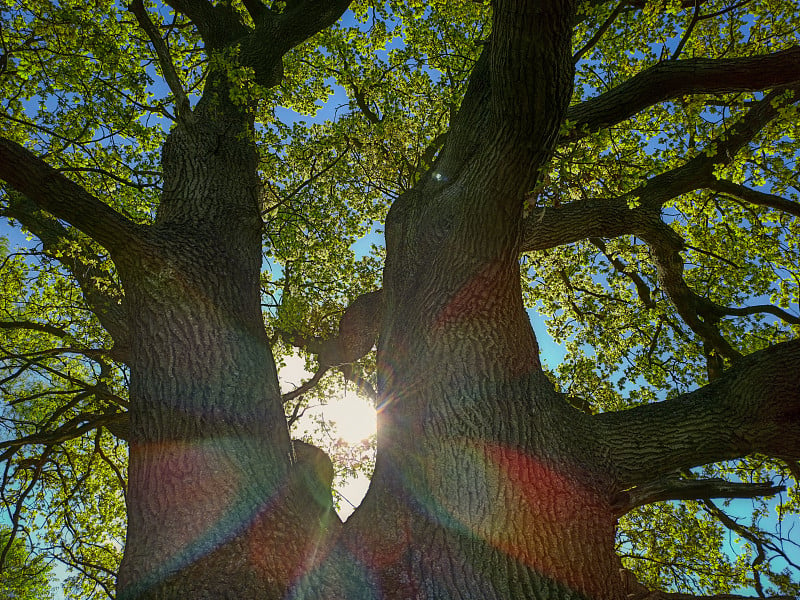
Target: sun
{"points": [[353, 420]]}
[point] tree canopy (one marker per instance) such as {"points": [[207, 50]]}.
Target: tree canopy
{"points": [[24, 577], [650, 200]]}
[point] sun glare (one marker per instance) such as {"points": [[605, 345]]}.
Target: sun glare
{"points": [[353, 420]]}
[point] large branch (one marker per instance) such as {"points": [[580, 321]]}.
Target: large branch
{"points": [[754, 407], [507, 125], [673, 79], [218, 25], [530, 75], [64, 199], [754, 196], [84, 267], [182, 107], [278, 32], [274, 33], [549, 227], [675, 488]]}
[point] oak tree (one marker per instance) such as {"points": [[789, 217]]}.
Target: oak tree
{"points": [[626, 169]]}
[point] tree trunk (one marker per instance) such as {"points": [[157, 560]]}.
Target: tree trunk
{"points": [[213, 496], [486, 484]]}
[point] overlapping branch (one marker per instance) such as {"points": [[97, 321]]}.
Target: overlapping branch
{"points": [[638, 213], [83, 267]]}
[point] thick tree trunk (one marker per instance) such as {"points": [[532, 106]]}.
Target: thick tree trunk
{"points": [[213, 495], [486, 484]]}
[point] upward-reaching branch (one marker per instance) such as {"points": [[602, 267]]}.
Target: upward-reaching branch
{"points": [[65, 199], [531, 74], [277, 33], [182, 106], [516, 99], [672, 79]]}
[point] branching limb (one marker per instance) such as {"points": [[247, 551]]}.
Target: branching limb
{"points": [[65, 199], [672, 79], [548, 227], [610, 218], [218, 25], [700, 314], [675, 488], [698, 172], [754, 196], [182, 106], [278, 32], [358, 331], [753, 407], [83, 267]]}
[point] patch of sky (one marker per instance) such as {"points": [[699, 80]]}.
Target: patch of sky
{"points": [[326, 109], [374, 237]]}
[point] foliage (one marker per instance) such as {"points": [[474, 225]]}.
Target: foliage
{"points": [[358, 118], [23, 577]]}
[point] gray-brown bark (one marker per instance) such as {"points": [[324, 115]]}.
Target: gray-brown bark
{"points": [[753, 407], [474, 478]]}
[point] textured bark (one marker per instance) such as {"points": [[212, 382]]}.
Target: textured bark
{"points": [[484, 485], [215, 490], [753, 407]]}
